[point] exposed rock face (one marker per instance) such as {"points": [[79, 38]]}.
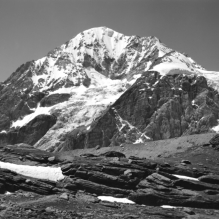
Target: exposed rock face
{"points": [[31, 132], [54, 99], [11, 181], [13, 94], [153, 108]]}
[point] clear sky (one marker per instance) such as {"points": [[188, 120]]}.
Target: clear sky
{"points": [[29, 29]]}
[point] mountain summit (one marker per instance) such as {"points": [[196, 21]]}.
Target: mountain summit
{"points": [[104, 88]]}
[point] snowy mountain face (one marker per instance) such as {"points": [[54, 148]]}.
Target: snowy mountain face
{"points": [[104, 88]]}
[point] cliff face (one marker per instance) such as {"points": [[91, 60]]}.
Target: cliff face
{"points": [[153, 108], [105, 88]]}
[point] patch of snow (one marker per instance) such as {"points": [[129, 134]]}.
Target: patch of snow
{"points": [[39, 110], [134, 78], [98, 79], [88, 128], [39, 62], [8, 193], [138, 141], [171, 68], [39, 172], [113, 199], [167, 206], [216, 128], [62, 90], [211, 76], [193, 103], [185, 177], [3, 131]]}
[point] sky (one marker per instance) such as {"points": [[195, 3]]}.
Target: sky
{"points": [[29, 29]]}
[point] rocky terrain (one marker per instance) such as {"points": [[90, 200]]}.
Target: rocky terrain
{"points": [[110, 126], [181, 184]]}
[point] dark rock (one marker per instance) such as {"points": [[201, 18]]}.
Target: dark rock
{"points": [[81, 174], [215, 140], [2, 188], [174, 197], [112, 154], [113, 181], [211, 192], [54, 99], [88, 155], [97, 147], [213, 179], [69, 172], [98, 188], [144, 163], [108, 204], [2, 207], [31, 132], [70, 186], [186, 162], [188, 211], [195, 185]]}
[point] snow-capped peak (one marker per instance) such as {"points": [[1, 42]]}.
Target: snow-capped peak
{"points": [[94, 69]]}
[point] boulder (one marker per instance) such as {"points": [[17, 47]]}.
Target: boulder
{"points": [[64, 196], [215, 140]]}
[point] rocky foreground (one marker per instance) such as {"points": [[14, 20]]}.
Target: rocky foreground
{"points": [[188, 181]]}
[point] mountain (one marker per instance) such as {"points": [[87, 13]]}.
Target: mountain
{"points": [[104, 88]]}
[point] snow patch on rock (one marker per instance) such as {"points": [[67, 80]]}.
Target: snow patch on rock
{"points": [[39, 111], [168, 206], [113, 199], [185, 177], [39, 172]]}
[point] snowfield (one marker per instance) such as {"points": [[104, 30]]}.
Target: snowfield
{"points": [[113, 199], [38, 172]]}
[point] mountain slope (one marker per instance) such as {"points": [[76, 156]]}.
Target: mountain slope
{"points": [[76, 86]]}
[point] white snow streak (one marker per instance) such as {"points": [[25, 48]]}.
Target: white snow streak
{"points": [[39, 172], [113, 199], [167, 206], [39, 110], [186, 177]]}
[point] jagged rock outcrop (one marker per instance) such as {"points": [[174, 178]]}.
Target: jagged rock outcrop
{"points": [[142, 181], [11, 181]]}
